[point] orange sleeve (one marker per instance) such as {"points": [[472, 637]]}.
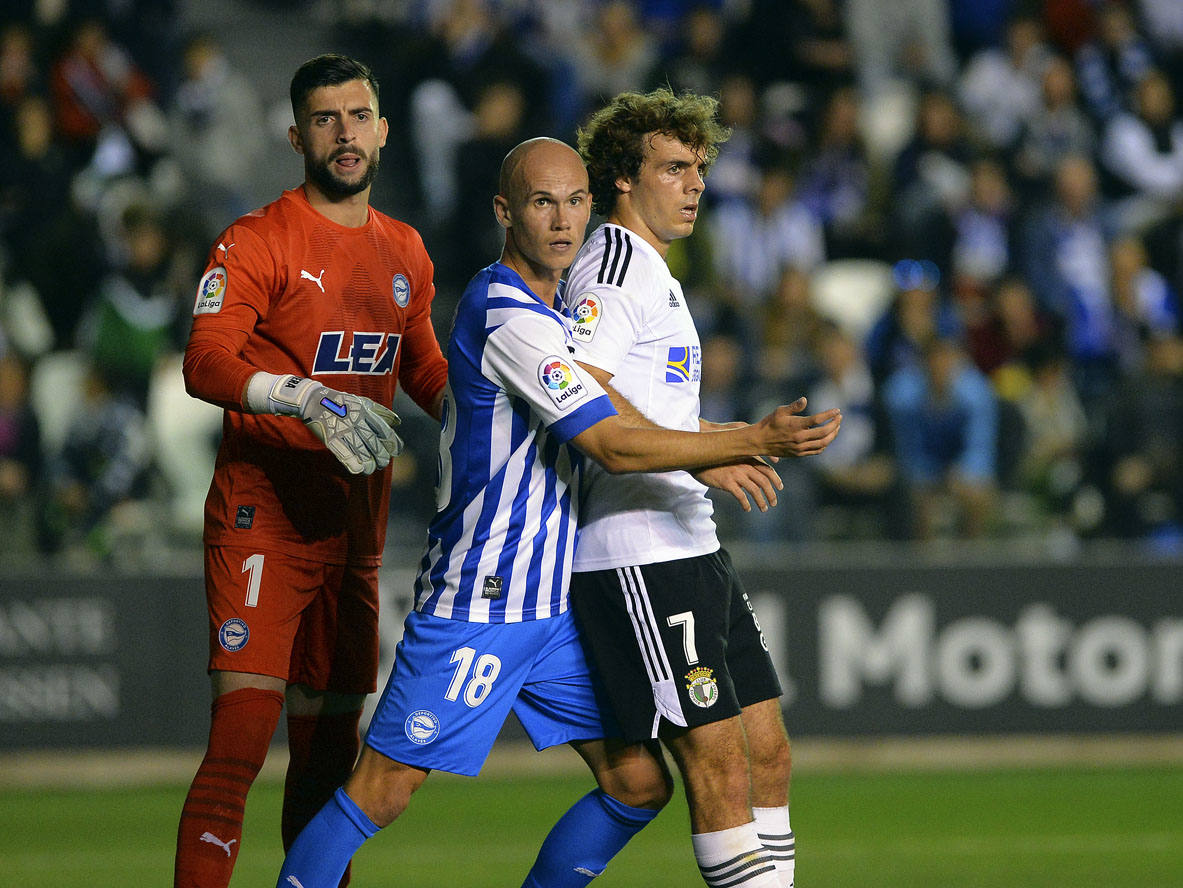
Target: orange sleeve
{"points": [[213, 367]]}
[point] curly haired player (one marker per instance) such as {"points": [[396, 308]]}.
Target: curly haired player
{"points": [[671, 629]]}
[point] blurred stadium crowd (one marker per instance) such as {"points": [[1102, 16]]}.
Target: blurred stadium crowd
{"points": [[959, 220]]}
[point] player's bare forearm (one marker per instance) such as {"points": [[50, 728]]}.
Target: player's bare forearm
{"points": [[620, 448]]}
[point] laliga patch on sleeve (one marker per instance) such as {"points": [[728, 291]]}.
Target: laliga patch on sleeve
{"points": [[561, 382], [586, 317], [211, 292]]}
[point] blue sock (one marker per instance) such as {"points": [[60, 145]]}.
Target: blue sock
{"points": [[579, 846], [318, 857]]}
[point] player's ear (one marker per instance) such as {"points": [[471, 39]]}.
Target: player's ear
{"points": [[297, 142], [623, 185], [383, 130], [501, 211]]}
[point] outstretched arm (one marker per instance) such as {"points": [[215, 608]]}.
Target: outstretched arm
{"points": [[634, 444], [749, 480]]}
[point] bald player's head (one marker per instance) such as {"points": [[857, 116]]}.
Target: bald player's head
{"points": [[529, 156], [544, 206]]}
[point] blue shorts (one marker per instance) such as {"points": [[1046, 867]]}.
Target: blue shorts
{"points": [[453, 683]]}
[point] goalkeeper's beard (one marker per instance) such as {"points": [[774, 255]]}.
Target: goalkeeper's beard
{"points": [[330, 183]]}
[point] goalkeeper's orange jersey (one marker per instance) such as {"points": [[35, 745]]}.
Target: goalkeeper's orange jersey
{"points": [[286, 290]]}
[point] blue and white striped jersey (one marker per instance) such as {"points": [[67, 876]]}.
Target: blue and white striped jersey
{"points": [[500, 546]]}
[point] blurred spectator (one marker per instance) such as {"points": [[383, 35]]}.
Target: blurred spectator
{"points": [[930, 178], [497, 126], [100, 475], [137, 317], [1066, 250], [982, 251], [787, 328], [906, 39], [1146, 305], [1113, 63], [735, 174], [753, 242], [1145, 423], [1000, 86], [466, 49], [615, 54], [40, 223], [915, 317], [100, 93], [835, 181], [1055, 431], [856, 472], [216, 136], [20, 76], [1057, 128], [798, 41], [1162, 23], [944, 422], [699, 61], [1142, 150], [20, 455], [1001, 343]]}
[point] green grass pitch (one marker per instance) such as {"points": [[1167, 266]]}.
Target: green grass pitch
{"points": [[1079, 827]]}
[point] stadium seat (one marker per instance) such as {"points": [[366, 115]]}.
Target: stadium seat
{"points": [[55, 387], [852, 293], [184, 434]]}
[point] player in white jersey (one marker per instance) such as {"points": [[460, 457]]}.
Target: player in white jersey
{"points": [[668, 622], [491, 630]]}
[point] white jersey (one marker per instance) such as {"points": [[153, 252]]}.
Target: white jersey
{"points": [[631, 320], [499, 547]]}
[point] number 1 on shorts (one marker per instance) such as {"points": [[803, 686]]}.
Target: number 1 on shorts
{"points": [[254, 564]]}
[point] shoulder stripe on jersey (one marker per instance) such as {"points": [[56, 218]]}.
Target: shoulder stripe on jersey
{"points": [[620, 253], [607, 255]]}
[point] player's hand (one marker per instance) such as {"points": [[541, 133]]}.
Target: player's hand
{"points": [[786, 432], [359, 432], [750, 477]]}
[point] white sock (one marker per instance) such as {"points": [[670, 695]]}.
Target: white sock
{"points": [[772, 824], [734, 857]]}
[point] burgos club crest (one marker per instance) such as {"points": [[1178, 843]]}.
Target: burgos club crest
{"points": [[704, 691], [563, 386], [586, 316]]}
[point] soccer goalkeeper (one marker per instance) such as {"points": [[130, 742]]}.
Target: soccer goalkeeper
{"points": [[309, 312]]}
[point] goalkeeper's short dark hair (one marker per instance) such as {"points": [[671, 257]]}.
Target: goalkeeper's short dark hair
{"points": [[330, 69], [612, 143]]}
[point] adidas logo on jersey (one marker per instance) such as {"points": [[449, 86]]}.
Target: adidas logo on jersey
{"points": [[370, 353], [674, 303]]}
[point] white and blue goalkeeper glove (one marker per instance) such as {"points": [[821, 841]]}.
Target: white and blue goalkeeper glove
{"points": [[358, 431]]}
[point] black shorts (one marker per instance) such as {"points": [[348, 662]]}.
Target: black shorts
{"points": [[685, 630]]}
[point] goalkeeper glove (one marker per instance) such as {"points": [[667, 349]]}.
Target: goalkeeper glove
{"points": [[358, 431]]}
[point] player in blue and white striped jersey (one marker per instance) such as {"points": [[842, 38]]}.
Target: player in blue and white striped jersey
{"points": [[491, 630]]}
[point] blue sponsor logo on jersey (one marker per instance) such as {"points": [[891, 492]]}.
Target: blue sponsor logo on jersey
{"points": [[683, 364], [234, 634], [422, 726], [371, 354]]}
